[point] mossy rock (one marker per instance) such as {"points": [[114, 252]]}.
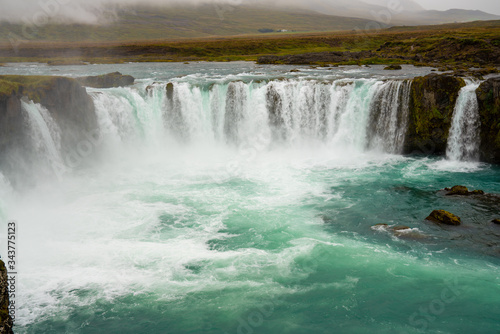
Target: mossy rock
{"points": [[8, 88], [463, 191], [432, 102], [488, 96], [393, 67], [458, 190], [110, 80], [444, 217]]}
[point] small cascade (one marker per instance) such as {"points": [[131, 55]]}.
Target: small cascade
{"points": [[353, 114], [389, 113], [45, 137], [464, 139], [126, 114]]}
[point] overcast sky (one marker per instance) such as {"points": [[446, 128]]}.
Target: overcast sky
{"points": [[88, 10]]}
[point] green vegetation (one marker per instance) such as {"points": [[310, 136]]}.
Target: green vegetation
{"points": [[452, 46], [433, 99], [8, 88], [31, 86]]}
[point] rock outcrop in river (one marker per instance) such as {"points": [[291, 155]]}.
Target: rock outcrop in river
{"points": [[115, 79]]}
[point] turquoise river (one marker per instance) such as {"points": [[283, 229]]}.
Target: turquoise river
{"points": [[233, 198]]}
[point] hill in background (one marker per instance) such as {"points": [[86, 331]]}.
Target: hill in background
{"points": [[147, 23], [212, 20]]}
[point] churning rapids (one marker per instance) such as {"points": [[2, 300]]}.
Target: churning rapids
{"points": [[230, 198]]}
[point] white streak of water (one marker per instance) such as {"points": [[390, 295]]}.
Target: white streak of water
{"points": [[464, 140]]}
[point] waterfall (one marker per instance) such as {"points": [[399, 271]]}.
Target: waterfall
{"points": [[290, 112], [389, 116], [45, 138], [464, 140]]}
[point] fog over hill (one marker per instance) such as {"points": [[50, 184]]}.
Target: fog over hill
{"points": [[104, 20]]}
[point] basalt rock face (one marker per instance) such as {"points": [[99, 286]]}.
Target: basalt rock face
{"points": [[68, 104], [488, 95], [6, 322], [432, 102]]}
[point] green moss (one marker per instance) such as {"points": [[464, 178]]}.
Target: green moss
{"points": [[32, 86], [431, 108], [8, 88]]}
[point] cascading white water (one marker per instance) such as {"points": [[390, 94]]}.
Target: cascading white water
{"points": [[464, 140], [279, 112], [45, 137], [389, 116]]}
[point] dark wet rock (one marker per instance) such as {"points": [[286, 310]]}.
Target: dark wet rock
{"points": [[170, 91], [6, 322], [401, 228], [110, 80], [458, 190], [393, 67], [463, 191], [149, 88], [294, 71], [432, 102], [496, 221], [488, 96], [444, 217]]}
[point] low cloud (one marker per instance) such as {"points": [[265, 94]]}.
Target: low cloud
{"points": [[39, 12]]}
